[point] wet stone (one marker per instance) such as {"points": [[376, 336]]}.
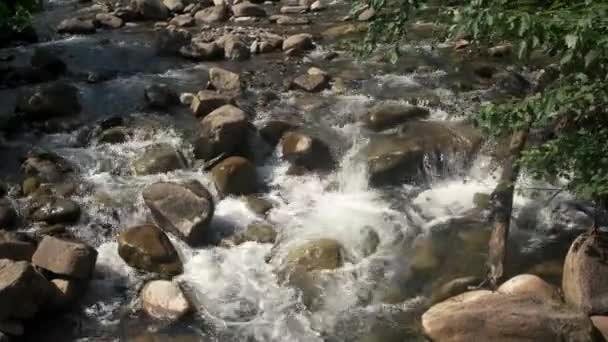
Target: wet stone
{"points": [[182, 209], [67, 258], [147, 248], [159, 158]]}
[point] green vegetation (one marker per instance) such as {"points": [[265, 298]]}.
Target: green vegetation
{"points": [[15, 15], [571, 111]]}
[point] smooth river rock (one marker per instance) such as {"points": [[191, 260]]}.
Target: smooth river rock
{"points": [[163, 299], [486, 316], [147, 248]]}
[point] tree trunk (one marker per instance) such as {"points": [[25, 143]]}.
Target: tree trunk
{"points": [[502, 205]]}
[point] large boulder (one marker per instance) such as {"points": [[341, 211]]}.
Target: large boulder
{"points": [[298, 42], [531, 286], [182, 209], [14, 248], [235, 176], [147, 248], [53, 210], [420, 146], [247, 9], [76, 26], [22, 290], [159, 158], [224, 80], [387, 116], [302, 150], [213, 14], [223, 131], [160, 96], [50, 101], [586, 274], [488, 316], [150, 9], [163, 299], [207, 101], [67, 258]]}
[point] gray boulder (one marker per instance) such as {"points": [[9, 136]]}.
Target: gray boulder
{"points": [[182, 209], [235, 176], [222, 132]]}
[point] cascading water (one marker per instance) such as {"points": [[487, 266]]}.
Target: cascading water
{"points": [[238, 291]]}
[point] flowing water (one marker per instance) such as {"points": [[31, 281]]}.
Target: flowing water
{"points": [[238, 294]]}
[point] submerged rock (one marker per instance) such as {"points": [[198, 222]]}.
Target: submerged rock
{"points": [[147, 248], [159, 158], [160, 96], [387, 116], [305, 151], [420, 147], [315, 255], [258, 204], [235, 176], [163, 299], [182, 209], [222, 132], [487, 316], [255, 232], [586, 274], [67, 258], [50, 101]]}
